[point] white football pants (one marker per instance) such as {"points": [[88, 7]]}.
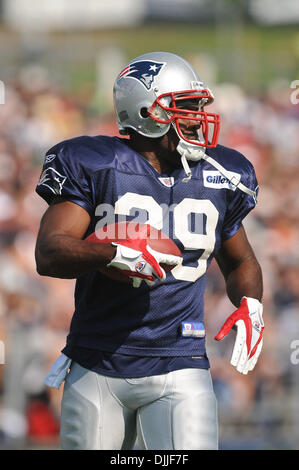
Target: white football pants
{"points": [[176, 410]]}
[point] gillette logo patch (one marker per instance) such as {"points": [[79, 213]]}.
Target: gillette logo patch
{"points": [[214, 179]]}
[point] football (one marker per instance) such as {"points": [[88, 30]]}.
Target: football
{"points": [[131, 231]]}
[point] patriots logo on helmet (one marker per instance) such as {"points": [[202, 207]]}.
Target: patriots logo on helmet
{"points": [[144, 71]]}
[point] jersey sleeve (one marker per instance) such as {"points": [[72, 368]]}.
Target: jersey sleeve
{"points": [[240, 204], [62, 175]]}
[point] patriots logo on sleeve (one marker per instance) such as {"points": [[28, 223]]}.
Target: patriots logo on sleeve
{"points": [[144, 71], [53, 180]]}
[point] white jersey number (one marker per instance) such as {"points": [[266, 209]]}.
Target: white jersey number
{"points": [[181, 215]]}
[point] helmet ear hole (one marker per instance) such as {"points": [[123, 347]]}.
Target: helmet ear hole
{"points": [[143, 113]]}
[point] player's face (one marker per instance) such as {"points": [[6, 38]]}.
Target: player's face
{"points": [[190, 127]]}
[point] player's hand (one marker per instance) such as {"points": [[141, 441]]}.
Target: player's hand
{"points": [[248, 319], [142, 265]]}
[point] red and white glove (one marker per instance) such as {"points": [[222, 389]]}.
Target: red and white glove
{"points": [[142, 264], [248, 319]]}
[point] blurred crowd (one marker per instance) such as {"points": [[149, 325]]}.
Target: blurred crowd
{"points": [[257, 410]]}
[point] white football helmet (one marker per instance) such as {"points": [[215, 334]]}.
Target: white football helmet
{"points": [[151, 93]]}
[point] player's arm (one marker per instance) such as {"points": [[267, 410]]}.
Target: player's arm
{"points": [[240, 268], [60, 251], [244, 284]]}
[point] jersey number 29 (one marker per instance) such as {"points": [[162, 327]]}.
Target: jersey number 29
{"points": [[181, 212]]}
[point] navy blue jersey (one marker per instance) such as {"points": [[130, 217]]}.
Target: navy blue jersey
{"points": [[114, 183]]}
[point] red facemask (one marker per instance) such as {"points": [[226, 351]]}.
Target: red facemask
{"points": [[208, 123]]}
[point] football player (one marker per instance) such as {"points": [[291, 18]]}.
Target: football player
{"points": [[135, 363]]}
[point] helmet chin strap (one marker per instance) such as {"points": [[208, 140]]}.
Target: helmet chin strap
{"points": [[189, 152], [195, 153]]}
